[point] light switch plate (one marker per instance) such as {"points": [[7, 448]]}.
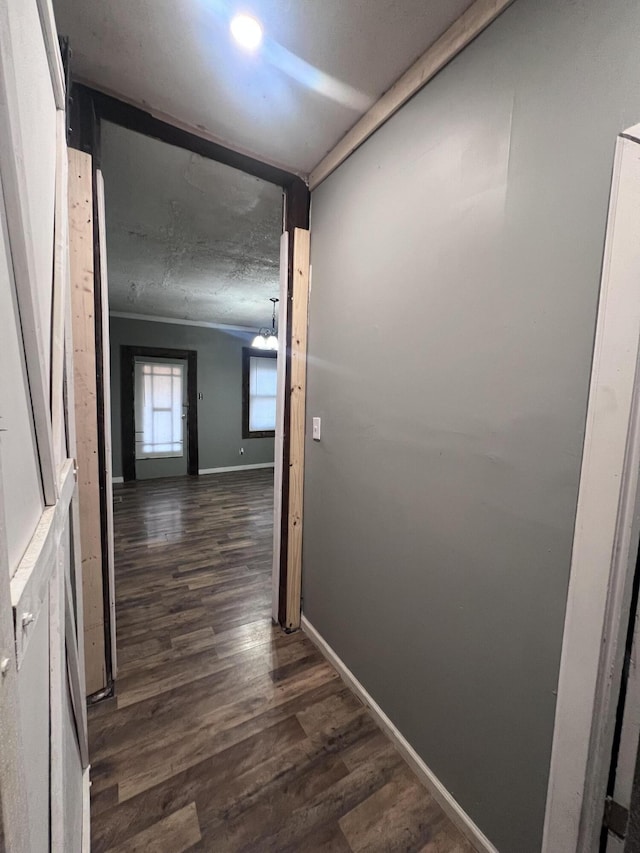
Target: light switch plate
{"points": [[316, 429]]}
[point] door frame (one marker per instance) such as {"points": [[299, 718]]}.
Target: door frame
{"points": [[606, 534], [128, 356], [626, 741], [89, 108]]}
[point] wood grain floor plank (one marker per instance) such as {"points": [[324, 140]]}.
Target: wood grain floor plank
{"points": [[176, 833], [234, 692], [226, 734], [214, 783], [398, 816], [322, 839], [317, 805], [154, 765]]}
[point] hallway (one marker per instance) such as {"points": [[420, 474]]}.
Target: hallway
{"points": [[226, 734]]}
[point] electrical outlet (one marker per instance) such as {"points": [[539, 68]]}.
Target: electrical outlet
{"points": [[242, 451]]}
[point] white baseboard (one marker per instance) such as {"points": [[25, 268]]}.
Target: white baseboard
{"points": [[235, 468], [117, 480], [442, 796]]}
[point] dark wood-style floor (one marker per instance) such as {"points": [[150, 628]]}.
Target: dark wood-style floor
{"points": [[226, 734]]}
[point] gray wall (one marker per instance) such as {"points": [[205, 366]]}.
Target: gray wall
{"points": [[219, 380], [456, 262]]}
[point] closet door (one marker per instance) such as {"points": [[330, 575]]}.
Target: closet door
{"points": [[43, 748]]}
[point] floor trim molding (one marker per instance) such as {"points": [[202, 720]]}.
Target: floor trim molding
{"points": [[442, 796], [117, 480], [236, 468]]}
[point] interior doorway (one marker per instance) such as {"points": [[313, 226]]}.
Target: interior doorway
{"points": [[194, 276], [96, 118]]}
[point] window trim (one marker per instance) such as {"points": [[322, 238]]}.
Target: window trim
{"points": [[247, 354]]}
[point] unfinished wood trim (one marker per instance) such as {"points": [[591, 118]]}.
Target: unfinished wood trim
{"points": [[297, 200], [68, 384], [60, 288], [605, 542], [445, 799], [469, 25], [299, 322], [106, 426], [52, 48], [99, 253], [86, 413], [283, 308], [14, 183], [75, 567]]}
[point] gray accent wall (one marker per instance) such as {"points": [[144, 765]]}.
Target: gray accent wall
{"points": [[456, 263], [219, 381]]}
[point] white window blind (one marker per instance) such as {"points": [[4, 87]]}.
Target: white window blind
{"points": [[158, 396], [262, 394]]}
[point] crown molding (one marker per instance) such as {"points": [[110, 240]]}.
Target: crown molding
{"points": [[124, 315]]}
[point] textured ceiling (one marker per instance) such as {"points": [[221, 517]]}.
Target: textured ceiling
{"points": [[323, 62], [187, 238]]}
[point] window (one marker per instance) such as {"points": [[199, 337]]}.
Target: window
{"points": [[259, 383], [158, 405]]}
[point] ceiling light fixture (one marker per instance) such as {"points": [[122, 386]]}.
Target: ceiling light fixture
{"points": [[247, 31], [266, 337]]}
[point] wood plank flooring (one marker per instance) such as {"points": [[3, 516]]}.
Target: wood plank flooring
{"points": [[227, 734]]}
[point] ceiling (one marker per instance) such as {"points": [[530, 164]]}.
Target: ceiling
{"points": [[321, 65], [187, 238]]}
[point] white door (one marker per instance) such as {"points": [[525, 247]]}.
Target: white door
{"points": [[43, 739], [160, 401]]}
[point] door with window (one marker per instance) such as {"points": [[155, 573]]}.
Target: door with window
{"points": [[161, 408]]}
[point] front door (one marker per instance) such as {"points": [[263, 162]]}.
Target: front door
{"points": [[160, 396]]}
